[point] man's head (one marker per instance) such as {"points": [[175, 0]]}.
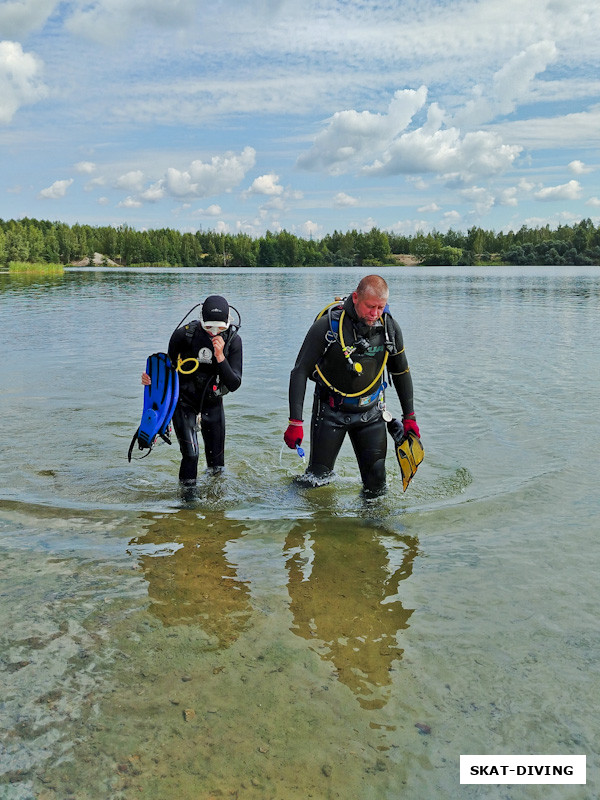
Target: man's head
{"points": [[370, 298], [215, 315]]}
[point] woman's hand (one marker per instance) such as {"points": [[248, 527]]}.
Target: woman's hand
{"points": [[146, 379]]}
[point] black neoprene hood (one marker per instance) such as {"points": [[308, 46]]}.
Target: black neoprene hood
{"points": [[215, 309]]}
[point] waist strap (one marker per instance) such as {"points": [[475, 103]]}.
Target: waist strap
{"points": [[335, 400]]}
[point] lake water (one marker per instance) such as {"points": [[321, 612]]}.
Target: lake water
{"points": [[267, 641]]}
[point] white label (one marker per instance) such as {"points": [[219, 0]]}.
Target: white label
{"points": [[522, 769]]}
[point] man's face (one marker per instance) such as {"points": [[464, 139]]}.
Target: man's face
{"points": [[368, 307]]}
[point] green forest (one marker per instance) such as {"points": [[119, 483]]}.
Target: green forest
{"points": [[44, 242]]}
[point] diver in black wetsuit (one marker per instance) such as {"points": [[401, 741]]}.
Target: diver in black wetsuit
{"points": [[345, 353], [208, 356]]}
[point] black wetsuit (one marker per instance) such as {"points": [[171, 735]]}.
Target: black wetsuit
{"points": [[334, 412], [200, 392]]}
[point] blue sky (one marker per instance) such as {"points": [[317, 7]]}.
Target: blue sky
{"points": [[248, 115]]}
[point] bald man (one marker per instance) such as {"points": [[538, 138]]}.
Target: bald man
{"points": [[346, 352]]}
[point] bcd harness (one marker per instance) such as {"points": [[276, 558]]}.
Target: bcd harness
{"points": [[190, 330], [336, 314]]}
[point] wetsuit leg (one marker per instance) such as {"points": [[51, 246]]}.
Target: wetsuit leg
{"points": [[369, 440], [184, 423], [327, 434], [212, 426]]}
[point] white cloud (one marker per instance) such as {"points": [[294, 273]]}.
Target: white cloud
{"points": [[130, 202], [309, 229], [353, 137], [94, 183], [510, 84], [452, 217], [20, 17], [20, 80], [567, 191], [410, 226], [369, 223], [222, 174], [579, 168], [351, 140], [560, 218], [480, 153], [508, 197], [245, 226], [481, 198], [108, 20], [281, 202], [85, 167], [525, 185], [213, 210], [343, 200], [579, 129], [153, 193], [429, 209], [417, 182], [57, 190], [276, 204], [594, 202], [180, 184], [132, 181], [266, 184]]}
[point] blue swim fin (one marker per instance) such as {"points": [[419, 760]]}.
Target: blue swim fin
{"points": [[160, 399], [164, 428]]}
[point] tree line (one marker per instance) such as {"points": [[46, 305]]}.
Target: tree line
{"points": [[42, 241]]}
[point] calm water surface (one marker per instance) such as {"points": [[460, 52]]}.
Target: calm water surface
{"points": [[265, 641]]}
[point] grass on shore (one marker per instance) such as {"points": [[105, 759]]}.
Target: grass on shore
{"points": [[26, 266]]}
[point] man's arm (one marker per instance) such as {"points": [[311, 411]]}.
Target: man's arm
{"points": [[174, 348], [311, 351], [230, 369], [399, 372]]}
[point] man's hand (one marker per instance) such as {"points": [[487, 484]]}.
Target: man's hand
{"points": [[218, 344], [294, 433], [411, 425]]}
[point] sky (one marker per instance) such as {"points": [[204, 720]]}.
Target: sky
{"points": [[302, 115]]}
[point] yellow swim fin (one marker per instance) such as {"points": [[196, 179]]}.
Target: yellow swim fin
{"points": [[410, 453]]}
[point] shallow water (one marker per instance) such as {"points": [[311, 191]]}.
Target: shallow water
{"points": [[269, 641]]}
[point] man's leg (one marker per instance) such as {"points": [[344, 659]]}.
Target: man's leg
{"points": [[369, 440], [184, 423], [326, 437], [212, 426]]}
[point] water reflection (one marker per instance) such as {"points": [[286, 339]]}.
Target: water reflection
{"points": [[190, 578], [344, 589], [343, 586]]}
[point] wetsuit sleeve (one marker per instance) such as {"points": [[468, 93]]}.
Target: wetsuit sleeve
{"points": [[230, 370], [399, 372], [311, 351]]}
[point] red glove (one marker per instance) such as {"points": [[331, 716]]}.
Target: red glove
{"points": [[411, 425], [294, 433]]}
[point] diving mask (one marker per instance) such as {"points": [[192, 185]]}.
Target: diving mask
{"points": [[214, 327]]}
